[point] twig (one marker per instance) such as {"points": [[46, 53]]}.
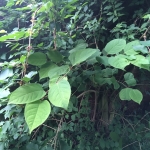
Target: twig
{"points": [[54, 34], [58, 129], [95, 106], [82, 94], [35, 132], [48, 127], [130, 144], [141, 119]]}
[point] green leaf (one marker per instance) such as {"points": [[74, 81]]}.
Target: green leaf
{"points": [[124, 94], [145, 43], [102, 81], [44, 69], [129, 79], [136, 95], [81, 55], [26, 94], [103, 60], [92, 59], [59, 93], [140, 61], [118, 61], [115, 83], [140, 48], [55, 56], [37, 59], [128, 50], [57, 71], [16, 35], [147, 16], [79, 46], [36, 113], [64, 145], [115, 46]]}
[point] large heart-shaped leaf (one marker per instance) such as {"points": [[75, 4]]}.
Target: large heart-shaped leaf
{"points": [[118, 61], [44, 69], [124, 94], [136, 95], [36, 113], [27, 93], [115, 46], [59, 93], [81, 55], [37, 59]]}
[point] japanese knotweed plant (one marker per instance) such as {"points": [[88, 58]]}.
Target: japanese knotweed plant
{"points": [[53, 68]]}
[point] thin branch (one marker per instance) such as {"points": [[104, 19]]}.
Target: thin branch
{"points": [[48, 127], [95, 106], [89, 91], [130, 144]]}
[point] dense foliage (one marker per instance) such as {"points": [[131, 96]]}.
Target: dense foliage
{"points": [[74, 74]]}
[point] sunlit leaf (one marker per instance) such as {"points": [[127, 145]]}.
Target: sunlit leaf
{"points": [[27, 93], [36, 113], [44, 69], [118, 61], [115, 46], [57, 71], [81, 55], [59, 93]]}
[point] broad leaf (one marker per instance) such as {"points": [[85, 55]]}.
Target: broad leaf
{"points": [[124, 94], [59, 93], [103, 60], [141, 48], [44, 69], [118, 61], [129, 79], [26, 94], [145, 43], [92, 59], [136, 95], [102, 80], [79, 46], [81, 55], [57, 71], [55, 56], [36, 113], [140, 61], [37, 59], [128, 50], [115, 46]]}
